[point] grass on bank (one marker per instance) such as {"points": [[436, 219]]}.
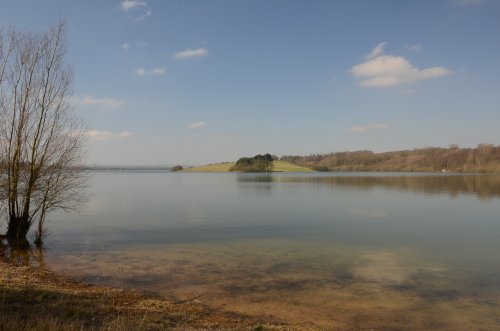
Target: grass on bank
{"points": [[279, 166], [216, 167], [33, 298], [283, 166]]}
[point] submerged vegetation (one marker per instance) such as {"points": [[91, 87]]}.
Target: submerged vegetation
{"points": [[483, 158], [36, 299]]}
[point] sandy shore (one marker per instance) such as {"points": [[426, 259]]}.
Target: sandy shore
{"points": [[34, 298]]}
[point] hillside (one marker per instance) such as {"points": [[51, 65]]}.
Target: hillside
{"points": [[483, 158], [279, 166]]}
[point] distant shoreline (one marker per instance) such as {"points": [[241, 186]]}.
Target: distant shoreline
{"points": [[210, 168], [127, 168], [485, 158]]}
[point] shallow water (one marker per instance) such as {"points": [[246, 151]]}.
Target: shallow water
{"points": [[336, 251]]}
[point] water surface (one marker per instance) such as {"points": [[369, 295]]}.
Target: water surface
{"points": [[336, 251]]}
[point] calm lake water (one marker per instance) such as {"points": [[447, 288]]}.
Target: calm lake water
{"points": [[335, 251]]}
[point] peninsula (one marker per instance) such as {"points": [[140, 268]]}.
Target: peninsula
{"points": [[278, 166]]}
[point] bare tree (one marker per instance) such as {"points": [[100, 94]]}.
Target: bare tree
{"points": [[41, 141]]}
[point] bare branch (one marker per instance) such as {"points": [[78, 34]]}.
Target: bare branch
{"points": [[41, 141]]}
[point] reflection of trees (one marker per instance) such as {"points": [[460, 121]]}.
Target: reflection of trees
{"points": [[263, 183], [483, 186], [22, 253], [256, 178]]}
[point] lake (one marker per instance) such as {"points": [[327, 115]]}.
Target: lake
{"points": [[327, 250]]}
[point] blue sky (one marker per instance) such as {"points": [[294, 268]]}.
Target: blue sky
{"points": [[193, 82]]}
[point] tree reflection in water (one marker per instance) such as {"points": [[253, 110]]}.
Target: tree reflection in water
{"points": [[482, 186], [22, 253]]}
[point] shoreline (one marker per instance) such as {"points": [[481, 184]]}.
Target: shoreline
{"points": [[36, 298]]}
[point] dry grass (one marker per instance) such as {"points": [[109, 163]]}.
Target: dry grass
{"points": [[217, 167], [279, 166], [37, 299], [283, 166]]}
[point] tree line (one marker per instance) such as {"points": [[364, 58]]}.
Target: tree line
{"points": [[483, 158], [258, 163]]}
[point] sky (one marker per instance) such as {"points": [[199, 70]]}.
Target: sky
{"points": [[195, 82]]}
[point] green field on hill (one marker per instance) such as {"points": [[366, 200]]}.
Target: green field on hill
{"points": [[279, 166]]}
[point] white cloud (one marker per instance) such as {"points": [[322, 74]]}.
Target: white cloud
{"points": [[154, 72], [191, 53], [414, 47], [89, 100], [158, 71], [141, 8], [388, 70], [197, 125], [377, 51], [140, 72], [106, 135], [129, 45], [368, 127], [127, 5]]}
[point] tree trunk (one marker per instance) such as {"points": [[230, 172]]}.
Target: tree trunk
{"points": [[19, 251], [39, 234], [18, 227]]}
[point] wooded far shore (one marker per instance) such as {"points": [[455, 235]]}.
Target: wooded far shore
{"points": [[484, 158]]}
